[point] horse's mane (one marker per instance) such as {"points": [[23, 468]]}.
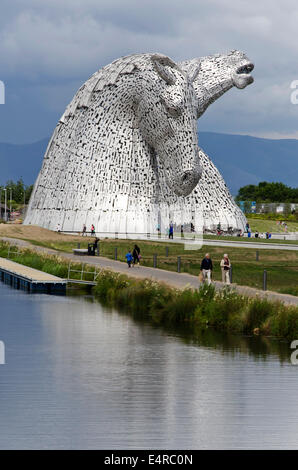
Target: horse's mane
{"points": [[108, 75]]}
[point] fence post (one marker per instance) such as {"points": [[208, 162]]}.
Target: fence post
{"points": [[179, 264], [231, 274], [79, 245], [68, 275], [265, 280], [257, 255], [97, 250], [167, 251], [155, 260], [116, 253]]}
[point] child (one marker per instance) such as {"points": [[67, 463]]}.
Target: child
{"points": [[128, 257]]}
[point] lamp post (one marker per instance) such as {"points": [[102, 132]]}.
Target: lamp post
{"points": [[10, 194], [5, 202]]}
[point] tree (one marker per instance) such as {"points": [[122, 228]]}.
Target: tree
{"points": [[268, 192], [19, 191]]}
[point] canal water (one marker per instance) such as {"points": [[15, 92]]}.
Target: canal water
{"points": [[81, 376]]}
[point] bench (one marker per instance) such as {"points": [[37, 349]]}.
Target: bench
{"points": [[80, 251]]}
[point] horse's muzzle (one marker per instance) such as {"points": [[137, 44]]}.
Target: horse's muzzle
{"points": [[185, 183]]}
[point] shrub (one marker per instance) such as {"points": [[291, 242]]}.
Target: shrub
{"points": [[222, 310], [257, 312], [108, 284], [284, 323]]}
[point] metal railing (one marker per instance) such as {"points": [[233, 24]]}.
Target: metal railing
{"points": [[82, 274], [11, 252]]}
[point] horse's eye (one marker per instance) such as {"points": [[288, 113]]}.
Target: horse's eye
{"points": [[174, 111]]}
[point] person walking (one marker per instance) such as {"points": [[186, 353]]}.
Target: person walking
{"points": [[129, 258], [92, 230], [84, 230], [136, 255], [171, 231], [225, 265], [95, 246], [206, 268]]}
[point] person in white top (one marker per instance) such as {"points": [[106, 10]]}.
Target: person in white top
{"points": [[225, 265]]}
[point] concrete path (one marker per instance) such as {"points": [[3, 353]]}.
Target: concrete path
{"points": [[254, 245], [173, 279], [197, 243]]}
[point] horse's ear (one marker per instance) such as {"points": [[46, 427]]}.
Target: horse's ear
{"points": [[195, 73], [191, 68], [163, 64]]}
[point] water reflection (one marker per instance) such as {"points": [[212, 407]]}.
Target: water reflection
{"points": [[79, 375], [259, 347]]}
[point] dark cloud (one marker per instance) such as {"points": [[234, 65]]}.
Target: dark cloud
{"points": [[48, 48]]}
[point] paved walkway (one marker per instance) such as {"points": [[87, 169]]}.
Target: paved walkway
{"points": [[199, 241], [178, 280], [255, 245]]}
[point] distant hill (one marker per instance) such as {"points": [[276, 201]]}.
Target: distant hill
{"points": [[241, 159], [246, 160]]}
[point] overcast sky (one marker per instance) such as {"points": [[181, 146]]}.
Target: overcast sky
{"points": [[48, 48]]}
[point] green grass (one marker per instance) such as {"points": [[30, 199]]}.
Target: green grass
{"points": [[263, 225]]}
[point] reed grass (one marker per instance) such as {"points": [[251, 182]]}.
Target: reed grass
{"points": [[223, 310]]}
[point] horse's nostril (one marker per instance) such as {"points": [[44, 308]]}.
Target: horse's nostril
{"points": [[188, 177], [186, 182]]}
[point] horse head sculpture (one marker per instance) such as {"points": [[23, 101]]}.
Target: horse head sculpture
{"points": [[218, 73], [166, 112], [125, 154]]}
